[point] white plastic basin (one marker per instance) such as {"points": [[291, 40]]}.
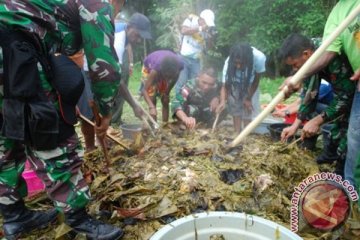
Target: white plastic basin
{"points": [[228, 225]]}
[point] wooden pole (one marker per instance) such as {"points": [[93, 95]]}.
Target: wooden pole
{"points": [[297, 77], [101, 140], [108, 135], [155, 124], [148, 126], [215, 122]]}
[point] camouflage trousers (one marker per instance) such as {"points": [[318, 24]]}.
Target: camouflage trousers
{"points": [[59, 169], [339, 136]]}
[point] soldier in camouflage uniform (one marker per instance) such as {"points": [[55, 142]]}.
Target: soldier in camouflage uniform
{"points": [[197, 100], [66, 26], [295, 50]]}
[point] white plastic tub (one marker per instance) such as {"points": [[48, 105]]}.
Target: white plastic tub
{"points": [[131, 131], [225, 225]]}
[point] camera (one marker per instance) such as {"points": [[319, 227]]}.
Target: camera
{"points": [[212, 31]]}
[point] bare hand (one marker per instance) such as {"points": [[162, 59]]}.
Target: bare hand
{"points": [[190, 122], [248, 106], [291, 88], [356, 75], [103, 127], [310, 129], [153, 112], [279, 113], [288, 132], [203, 26], [214, 104]]}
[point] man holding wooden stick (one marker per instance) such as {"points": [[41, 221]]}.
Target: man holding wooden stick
{"points": [[349, 42], [295, 51]]}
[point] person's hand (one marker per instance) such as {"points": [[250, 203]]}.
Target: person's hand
{"points": [[215, 102], [291, 88], [103, 127], [310, 129], [248, 106], [190, 122], [356, 75], [220, 108], [279, 113], [203, 26], [288, 132], [153, 112]]}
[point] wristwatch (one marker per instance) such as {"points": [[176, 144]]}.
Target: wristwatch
{"points": [[323, 115], [287, 113]]}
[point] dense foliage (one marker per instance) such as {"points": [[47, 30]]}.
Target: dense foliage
{"points": [[262, 23]]}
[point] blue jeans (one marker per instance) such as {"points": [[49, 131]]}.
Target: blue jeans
{"points": [[320, 107], [190, 71], [353, 140]]}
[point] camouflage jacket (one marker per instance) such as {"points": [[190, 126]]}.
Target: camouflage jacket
{"points": [[68, 26], [190, 97], [338, 74]]}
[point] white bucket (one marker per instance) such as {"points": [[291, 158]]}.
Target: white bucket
{"points": [[228, 225]]}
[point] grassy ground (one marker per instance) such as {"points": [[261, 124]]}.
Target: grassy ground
{"points": [[268, 88]]}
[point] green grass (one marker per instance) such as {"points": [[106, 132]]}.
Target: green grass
{"points": [[268, 88], [268, 85], [134, 85], [135, 79]]}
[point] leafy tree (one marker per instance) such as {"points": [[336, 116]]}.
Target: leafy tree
{"points": [[169, 17], [264, 24]]}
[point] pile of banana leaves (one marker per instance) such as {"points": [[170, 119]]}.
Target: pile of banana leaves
{"points": [[180, 172]]}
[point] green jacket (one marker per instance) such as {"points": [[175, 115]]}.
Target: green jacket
{"points": [[68, 26], [191, 99]]}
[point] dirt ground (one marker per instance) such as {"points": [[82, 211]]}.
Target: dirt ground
{"points": [[180, 172]]}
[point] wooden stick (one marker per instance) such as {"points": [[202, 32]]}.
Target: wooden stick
{"points": [[291, 144], [148, 126], [108, 135], [215, 122], [334, 120], [101, 140], [155, 124], [297, 77]]}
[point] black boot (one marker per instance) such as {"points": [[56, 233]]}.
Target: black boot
{"points": [[19, 220], [329, 154], [340, 165], [81, 222]]}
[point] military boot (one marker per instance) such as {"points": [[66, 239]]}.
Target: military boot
{"points": [[19, 220], [329, 154], [81, 222], [340, 166]]}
